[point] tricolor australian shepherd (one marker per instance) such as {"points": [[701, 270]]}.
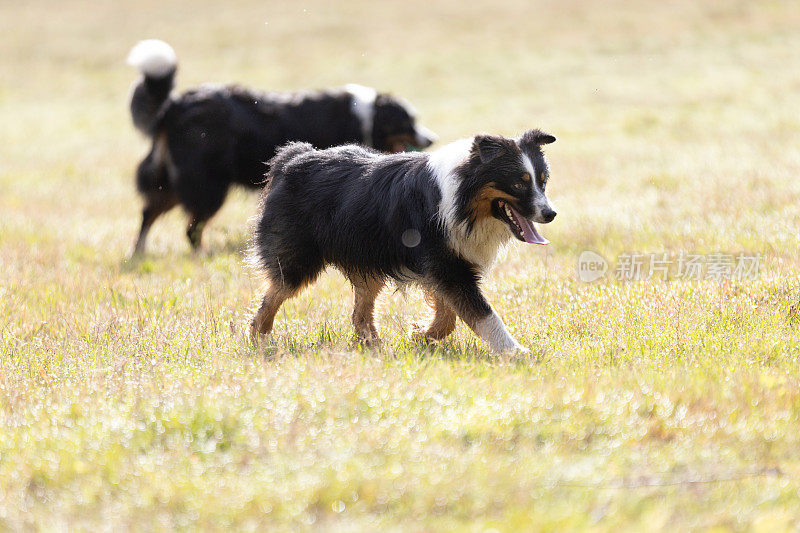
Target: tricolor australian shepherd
{"points": [[213, 136], [435, 219]]}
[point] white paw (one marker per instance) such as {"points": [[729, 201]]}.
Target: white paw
{"points": [[515, 349], [520, 350], [510, 347]]}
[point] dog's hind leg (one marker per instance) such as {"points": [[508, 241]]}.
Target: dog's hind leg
{"points": [[276, 294], [156, 206], [152, 182], [366, 290]]}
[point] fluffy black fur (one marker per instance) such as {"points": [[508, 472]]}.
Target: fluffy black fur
{"points": [[379, 217], [332, 206], [215, 136]]}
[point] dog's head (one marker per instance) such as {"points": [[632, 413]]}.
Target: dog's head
{"points": [[506, 179], [395, 127]]}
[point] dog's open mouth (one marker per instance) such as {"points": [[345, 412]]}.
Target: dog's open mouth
{"points": [[522, 228]]}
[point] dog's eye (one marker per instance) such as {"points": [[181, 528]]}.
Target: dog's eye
{"points": [[518, 186], [543, 179]]}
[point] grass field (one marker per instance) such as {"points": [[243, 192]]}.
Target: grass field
{"points": [[130, 398]]}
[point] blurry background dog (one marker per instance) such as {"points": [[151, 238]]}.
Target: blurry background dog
{"points": [[213, 136]]}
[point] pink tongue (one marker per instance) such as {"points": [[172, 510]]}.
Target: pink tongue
{"points": [[529, 232]]}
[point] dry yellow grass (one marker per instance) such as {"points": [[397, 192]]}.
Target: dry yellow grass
{"points": [[129, 397]]}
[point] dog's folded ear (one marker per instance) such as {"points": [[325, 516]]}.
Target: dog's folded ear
{"points": [[536, 138], [489, 147]]}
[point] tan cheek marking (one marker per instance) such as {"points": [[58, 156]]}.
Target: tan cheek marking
{"points": [[481, 205]]}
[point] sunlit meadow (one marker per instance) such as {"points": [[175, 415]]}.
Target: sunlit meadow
{"points": [[130, 398]]}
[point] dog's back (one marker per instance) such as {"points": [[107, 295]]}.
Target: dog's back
{"points": [[242, 127], [347, 206]]}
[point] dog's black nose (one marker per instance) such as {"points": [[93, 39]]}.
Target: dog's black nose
{"points": [[423, 137], [548, 215]]}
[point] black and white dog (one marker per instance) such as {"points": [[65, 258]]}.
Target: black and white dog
{"points": [[213, 136], [435, 219]]}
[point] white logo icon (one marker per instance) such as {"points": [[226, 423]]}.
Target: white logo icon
{"points": [[591, 266]]}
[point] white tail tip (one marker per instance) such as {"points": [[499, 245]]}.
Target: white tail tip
{"points": [[153, 57]]}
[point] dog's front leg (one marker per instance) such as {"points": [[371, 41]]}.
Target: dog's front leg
{"points": [[492, 329], [458, 287], [440, 325]]}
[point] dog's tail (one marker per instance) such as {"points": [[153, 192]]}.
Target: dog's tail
{"points": [[284, 155], [157, 62]]}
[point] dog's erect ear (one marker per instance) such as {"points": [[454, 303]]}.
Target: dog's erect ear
{"points": [[489, 147], [536, 138]]}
